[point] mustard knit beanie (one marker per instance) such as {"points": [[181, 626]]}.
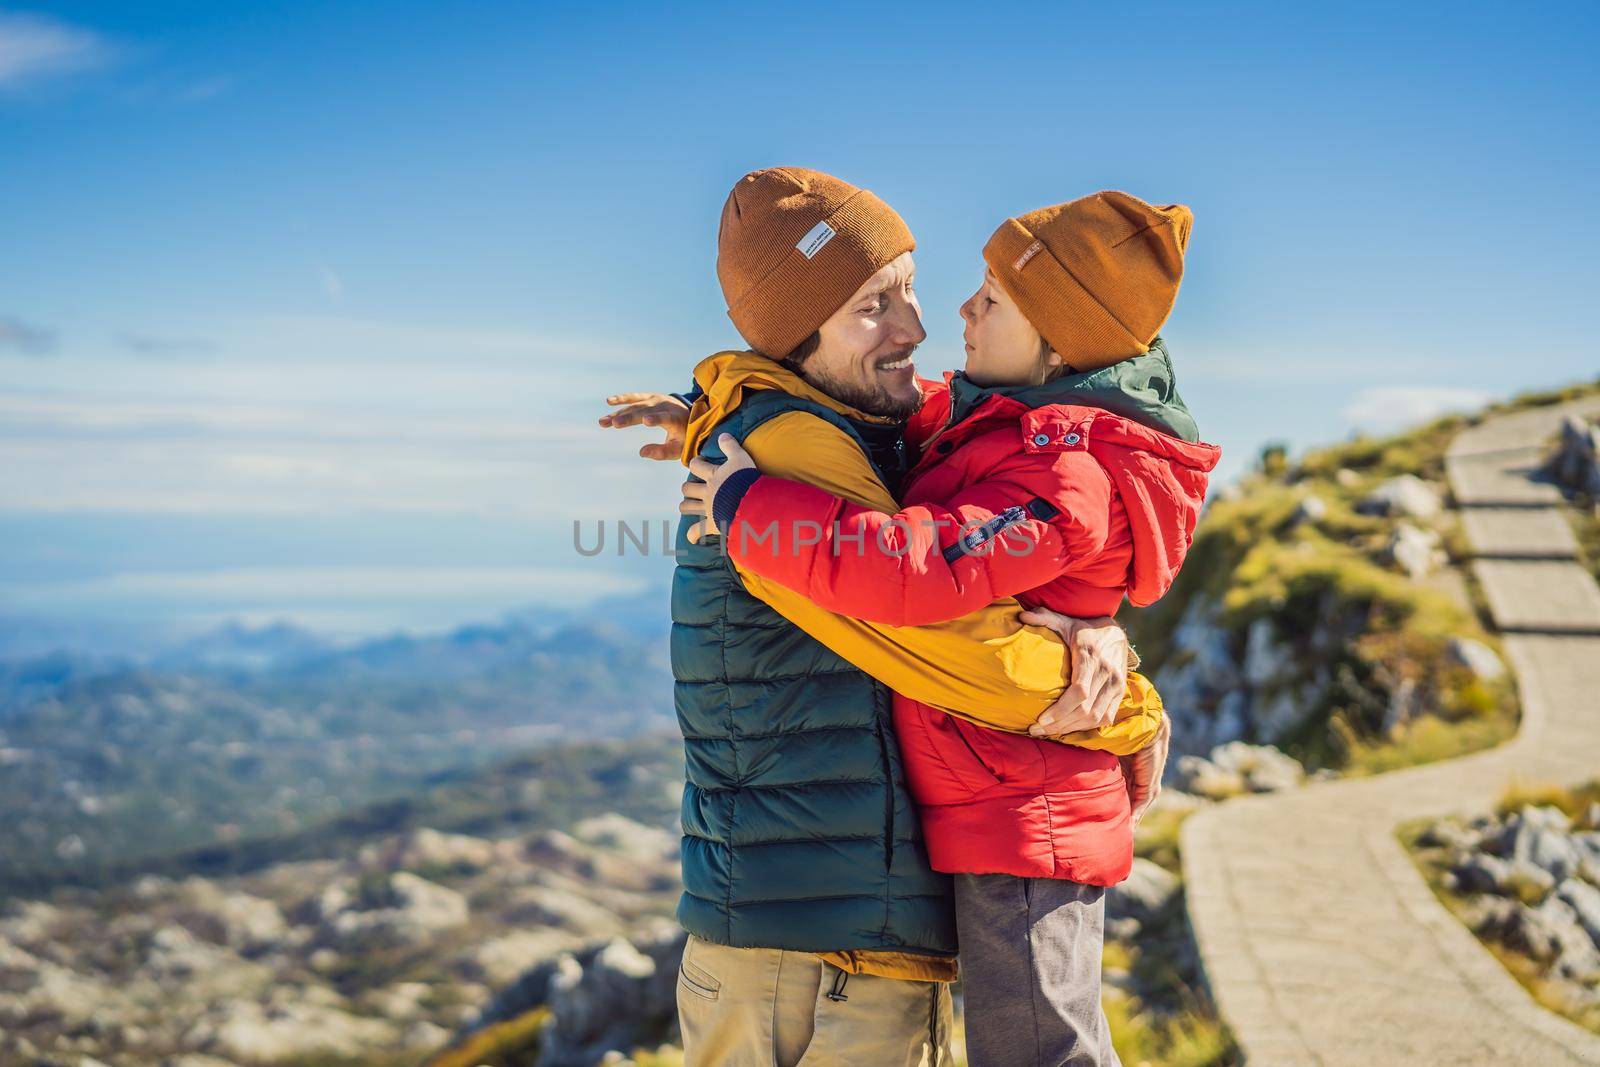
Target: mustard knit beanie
{"points": [[793, 246], [1097, 277]]}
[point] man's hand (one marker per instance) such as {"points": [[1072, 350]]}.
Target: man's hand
{"points": [[1099, 649], [651, 409], [698, 495], [1143, 770]]}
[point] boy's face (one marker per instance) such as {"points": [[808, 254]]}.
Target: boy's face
{"points": [[1003, 348], [864, 354]]}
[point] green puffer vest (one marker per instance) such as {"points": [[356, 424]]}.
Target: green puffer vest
{"points": [[798, 831]]}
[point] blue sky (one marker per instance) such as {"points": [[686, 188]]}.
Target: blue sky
{"points": [[306, 310]]}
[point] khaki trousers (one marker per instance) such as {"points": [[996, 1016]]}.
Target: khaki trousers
{"points": [[759, 1007]]}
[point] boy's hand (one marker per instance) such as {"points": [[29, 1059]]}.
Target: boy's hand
{"points": [[698, 494], [651, 409], [1143, 770], [1099, 650]]}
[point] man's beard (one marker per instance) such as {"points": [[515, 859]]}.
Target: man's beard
{"points": [[871, 397]]}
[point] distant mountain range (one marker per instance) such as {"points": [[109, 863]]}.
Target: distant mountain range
{"points": [[106, 759]]}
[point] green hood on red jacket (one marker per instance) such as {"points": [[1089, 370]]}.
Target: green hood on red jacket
{"points": [[1143, 389]]}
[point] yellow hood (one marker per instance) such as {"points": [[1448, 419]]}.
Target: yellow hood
{"points": [[723, 380]]}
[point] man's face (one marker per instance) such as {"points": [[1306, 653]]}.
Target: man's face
{"points": [[864, 358]]}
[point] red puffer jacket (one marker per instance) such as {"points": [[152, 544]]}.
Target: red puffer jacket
{"points": [[1064, 506]]}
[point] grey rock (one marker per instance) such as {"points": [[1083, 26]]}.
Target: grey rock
{"points": [[1414, 550], [1554, 935], [1208, 644], [1263, 657], [406, 910], [425, 1036], [1312, 509], [1585, 902], [613, 996], [1198, 775], [1555, 852], [1515, 838], [1484, 663], [1531, 934], [501, 959], [1482, 873], [1264, 769], [1526, 878], [1281, 714], [246, 1030], [1123, 928], [429, 849], [623, 835], [559, 909], [1447, 833], [1538, 836], [1237, 767], [1490, 916], [1404, 704], [1404, 494], [238, 920], [1148, 889], [1575, 465], [1231, 718]]}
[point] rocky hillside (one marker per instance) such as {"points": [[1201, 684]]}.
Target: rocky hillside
{"points": [[1574, 465], [1326, 608], [372, 940], [1526, 879]]}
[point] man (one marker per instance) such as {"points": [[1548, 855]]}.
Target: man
{"points": [[818, 933]]}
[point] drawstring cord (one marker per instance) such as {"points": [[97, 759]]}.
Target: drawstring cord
{"points": [[839, 980]]}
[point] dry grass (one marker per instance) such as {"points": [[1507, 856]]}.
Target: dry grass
{"points": [[506, 1044], [1428, 740]]}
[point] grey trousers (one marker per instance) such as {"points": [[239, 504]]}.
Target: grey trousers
{"points": [[1030, 971]]}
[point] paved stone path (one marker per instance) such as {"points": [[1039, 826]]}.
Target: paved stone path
{"points": [[1322, 943]]}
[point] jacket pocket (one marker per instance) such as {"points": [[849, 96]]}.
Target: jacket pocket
{"points": [[987, 767], [962, 755]]}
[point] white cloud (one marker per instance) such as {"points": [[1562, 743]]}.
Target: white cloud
{"points": [[198, 455], [333, 416], [32, 47], [1394, 407]]}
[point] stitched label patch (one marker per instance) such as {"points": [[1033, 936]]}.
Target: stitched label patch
{"points": [[1031, 251], [815, 238]]}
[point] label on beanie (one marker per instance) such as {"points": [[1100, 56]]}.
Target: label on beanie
{"points": [[815, 238]]}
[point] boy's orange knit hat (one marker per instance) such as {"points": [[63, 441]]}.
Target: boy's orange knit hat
{"points": [[794, 245], [1097, 276]]}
